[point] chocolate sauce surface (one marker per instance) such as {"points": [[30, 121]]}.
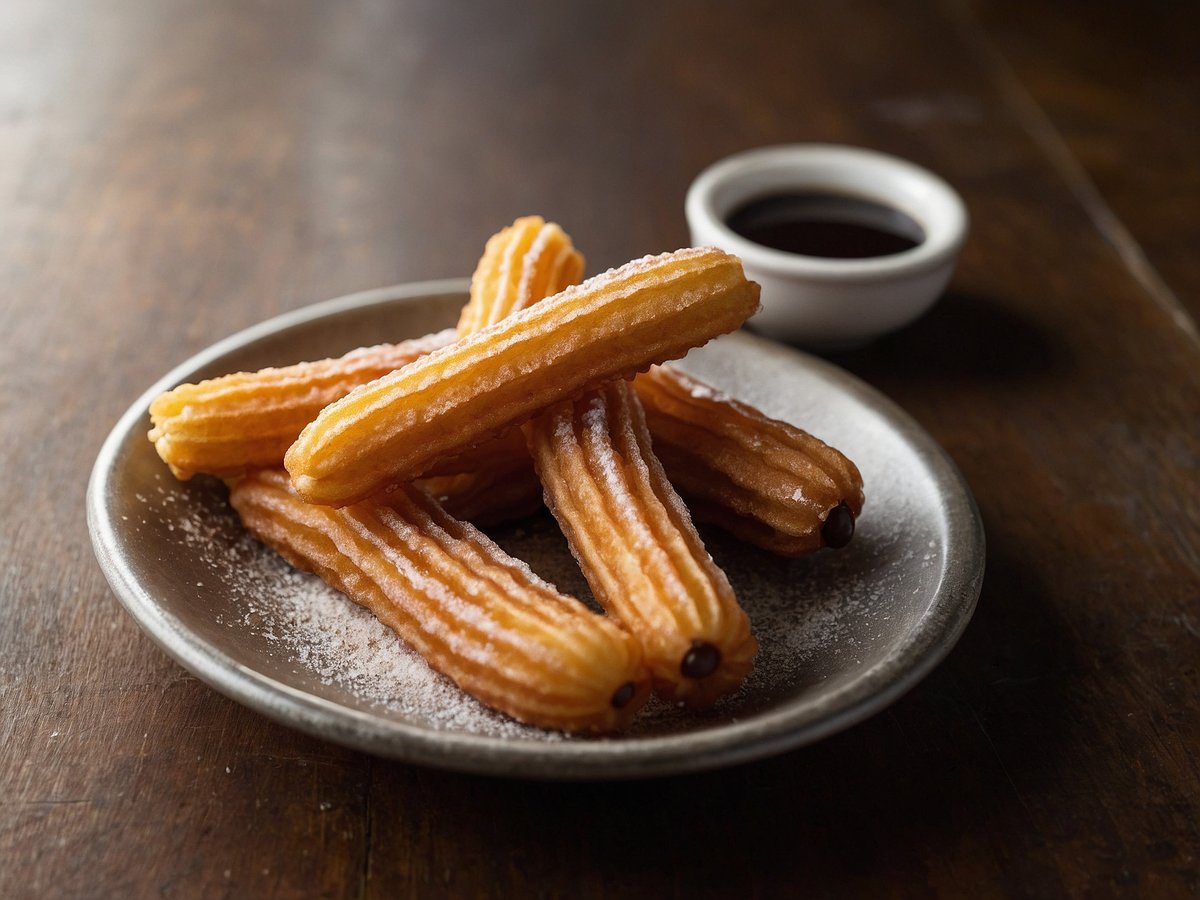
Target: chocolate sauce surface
{"points": [[701, 660], [827, 225]]}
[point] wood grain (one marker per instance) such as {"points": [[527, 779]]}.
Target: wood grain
{"points": [[1120, 98], [172, 172]]}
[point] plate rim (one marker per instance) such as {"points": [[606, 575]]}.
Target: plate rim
{"points": [[928, 642]]}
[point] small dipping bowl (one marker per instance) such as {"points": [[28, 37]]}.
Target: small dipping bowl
{"points": [[819, 301]]}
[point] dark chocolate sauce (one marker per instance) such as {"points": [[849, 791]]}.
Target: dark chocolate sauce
{"points": [[622, 695], [701, 660], [829, 225], [838, 527]]}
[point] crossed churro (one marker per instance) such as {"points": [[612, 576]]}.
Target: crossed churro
{"points": [[611, 326], [526, 262], [637, 546]]}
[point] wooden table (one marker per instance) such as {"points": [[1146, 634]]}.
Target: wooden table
{"points": [[171, 172]]}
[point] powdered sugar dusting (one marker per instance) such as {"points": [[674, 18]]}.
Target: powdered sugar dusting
{"points": [[338, 649]]}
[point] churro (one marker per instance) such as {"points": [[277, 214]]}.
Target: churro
{"points": [[225, 426], [759, 478], [474, 613], [526, 262], [637, 546], [611, 326]]}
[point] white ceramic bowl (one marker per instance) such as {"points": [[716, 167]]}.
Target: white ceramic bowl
{"points": [[822, 302]]}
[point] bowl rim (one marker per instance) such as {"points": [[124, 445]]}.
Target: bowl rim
{"points": [[854, 171]]}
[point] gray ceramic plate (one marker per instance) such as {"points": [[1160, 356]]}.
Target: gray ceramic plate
{"points": [[842, 634]]}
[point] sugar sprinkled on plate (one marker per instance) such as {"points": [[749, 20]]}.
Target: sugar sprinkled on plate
{"points": [[319, 631]]}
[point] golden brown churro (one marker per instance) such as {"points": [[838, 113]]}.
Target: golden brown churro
{"points": [[761, 479], [526, 262], [474, 613], [637, 547], [611, 326], [521, 264], [247, 420]]}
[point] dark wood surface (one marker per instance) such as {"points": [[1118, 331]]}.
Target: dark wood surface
{"points": [[171, 172]]}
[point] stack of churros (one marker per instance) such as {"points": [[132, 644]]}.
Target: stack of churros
{"points": [[549, 390]]}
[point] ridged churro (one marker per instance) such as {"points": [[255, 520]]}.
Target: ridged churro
{"points": [[526, 262], [759, 478], [225, 426], [611, 326], [637, 546], [474, 613]]}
